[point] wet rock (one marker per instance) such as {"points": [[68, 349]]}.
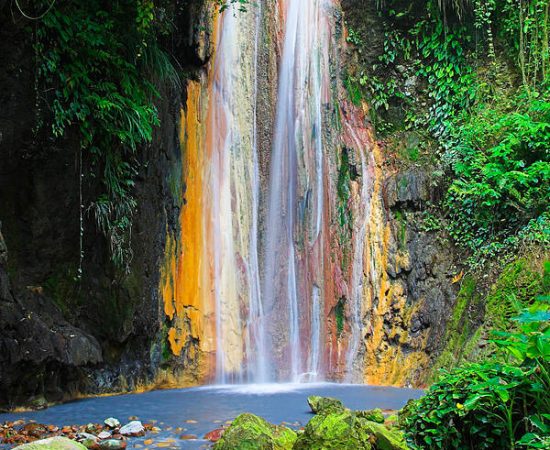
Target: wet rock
{"points": [[104, 435], [111, 422], [134, 428], [36, 430], [112, 444], [214, 435], [252, 432], [53, 443], [374, 415], [87, 440], [324, 405], [188, 437]]}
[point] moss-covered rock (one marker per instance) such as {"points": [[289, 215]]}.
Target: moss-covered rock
{"points": [[250, 432], [53, 443], [324, 405], [385, 439], [342, 431], [374, 415]]}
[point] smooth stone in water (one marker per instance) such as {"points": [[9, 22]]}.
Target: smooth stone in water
{"points": [[104, 435], [87, 440], [111, 422], [134, 428], [53, 443], [214, 435]]}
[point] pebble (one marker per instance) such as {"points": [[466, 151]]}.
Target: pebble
{"points": [[104, 435], [148, 441], [187, 437]]}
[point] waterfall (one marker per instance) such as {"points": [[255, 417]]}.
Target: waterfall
{"points": [[298, 131], [258, 230], [232, 203]]}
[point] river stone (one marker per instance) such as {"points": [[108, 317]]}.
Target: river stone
{"points": [[112, 444], [334, 431], [104, 435], [374, 415], [111, 422], [87, 440], [134, 428], [250, 432], [324, 405], [53, 443]]}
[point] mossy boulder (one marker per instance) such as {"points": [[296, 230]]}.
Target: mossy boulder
{"points": [[384, 438], [348, 430], [53, 443], [324, 405], [250, 432], [374, 415], [342, 431]]}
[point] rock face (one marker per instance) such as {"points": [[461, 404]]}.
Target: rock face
{"points": [[61, 336], [35, 338], [249, 432]]}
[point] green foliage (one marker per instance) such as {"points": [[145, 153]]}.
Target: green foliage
{"points": [[491, 405], [100, 59], [501, 166], [225, 4], [492, 126], [515, 288], [339, 314]]}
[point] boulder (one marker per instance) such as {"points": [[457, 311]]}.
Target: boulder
{"points": [[385, 438], [324, 405], [334, 431], [53, 443], [250, 432]]}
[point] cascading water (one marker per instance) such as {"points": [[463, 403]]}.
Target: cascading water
{"points": [[233, 186], [261, 232], [297, 141]]}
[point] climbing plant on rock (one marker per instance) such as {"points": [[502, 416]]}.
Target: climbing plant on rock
{"points": [[97, 62]]}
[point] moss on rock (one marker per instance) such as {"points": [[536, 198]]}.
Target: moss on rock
{"points": [[324, 405], [385, 439], [349, 430], [250, 432], [374, 415], [53, 443], [342, 431]]}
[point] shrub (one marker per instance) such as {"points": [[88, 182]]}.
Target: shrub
{"points": [[491, 405]]}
